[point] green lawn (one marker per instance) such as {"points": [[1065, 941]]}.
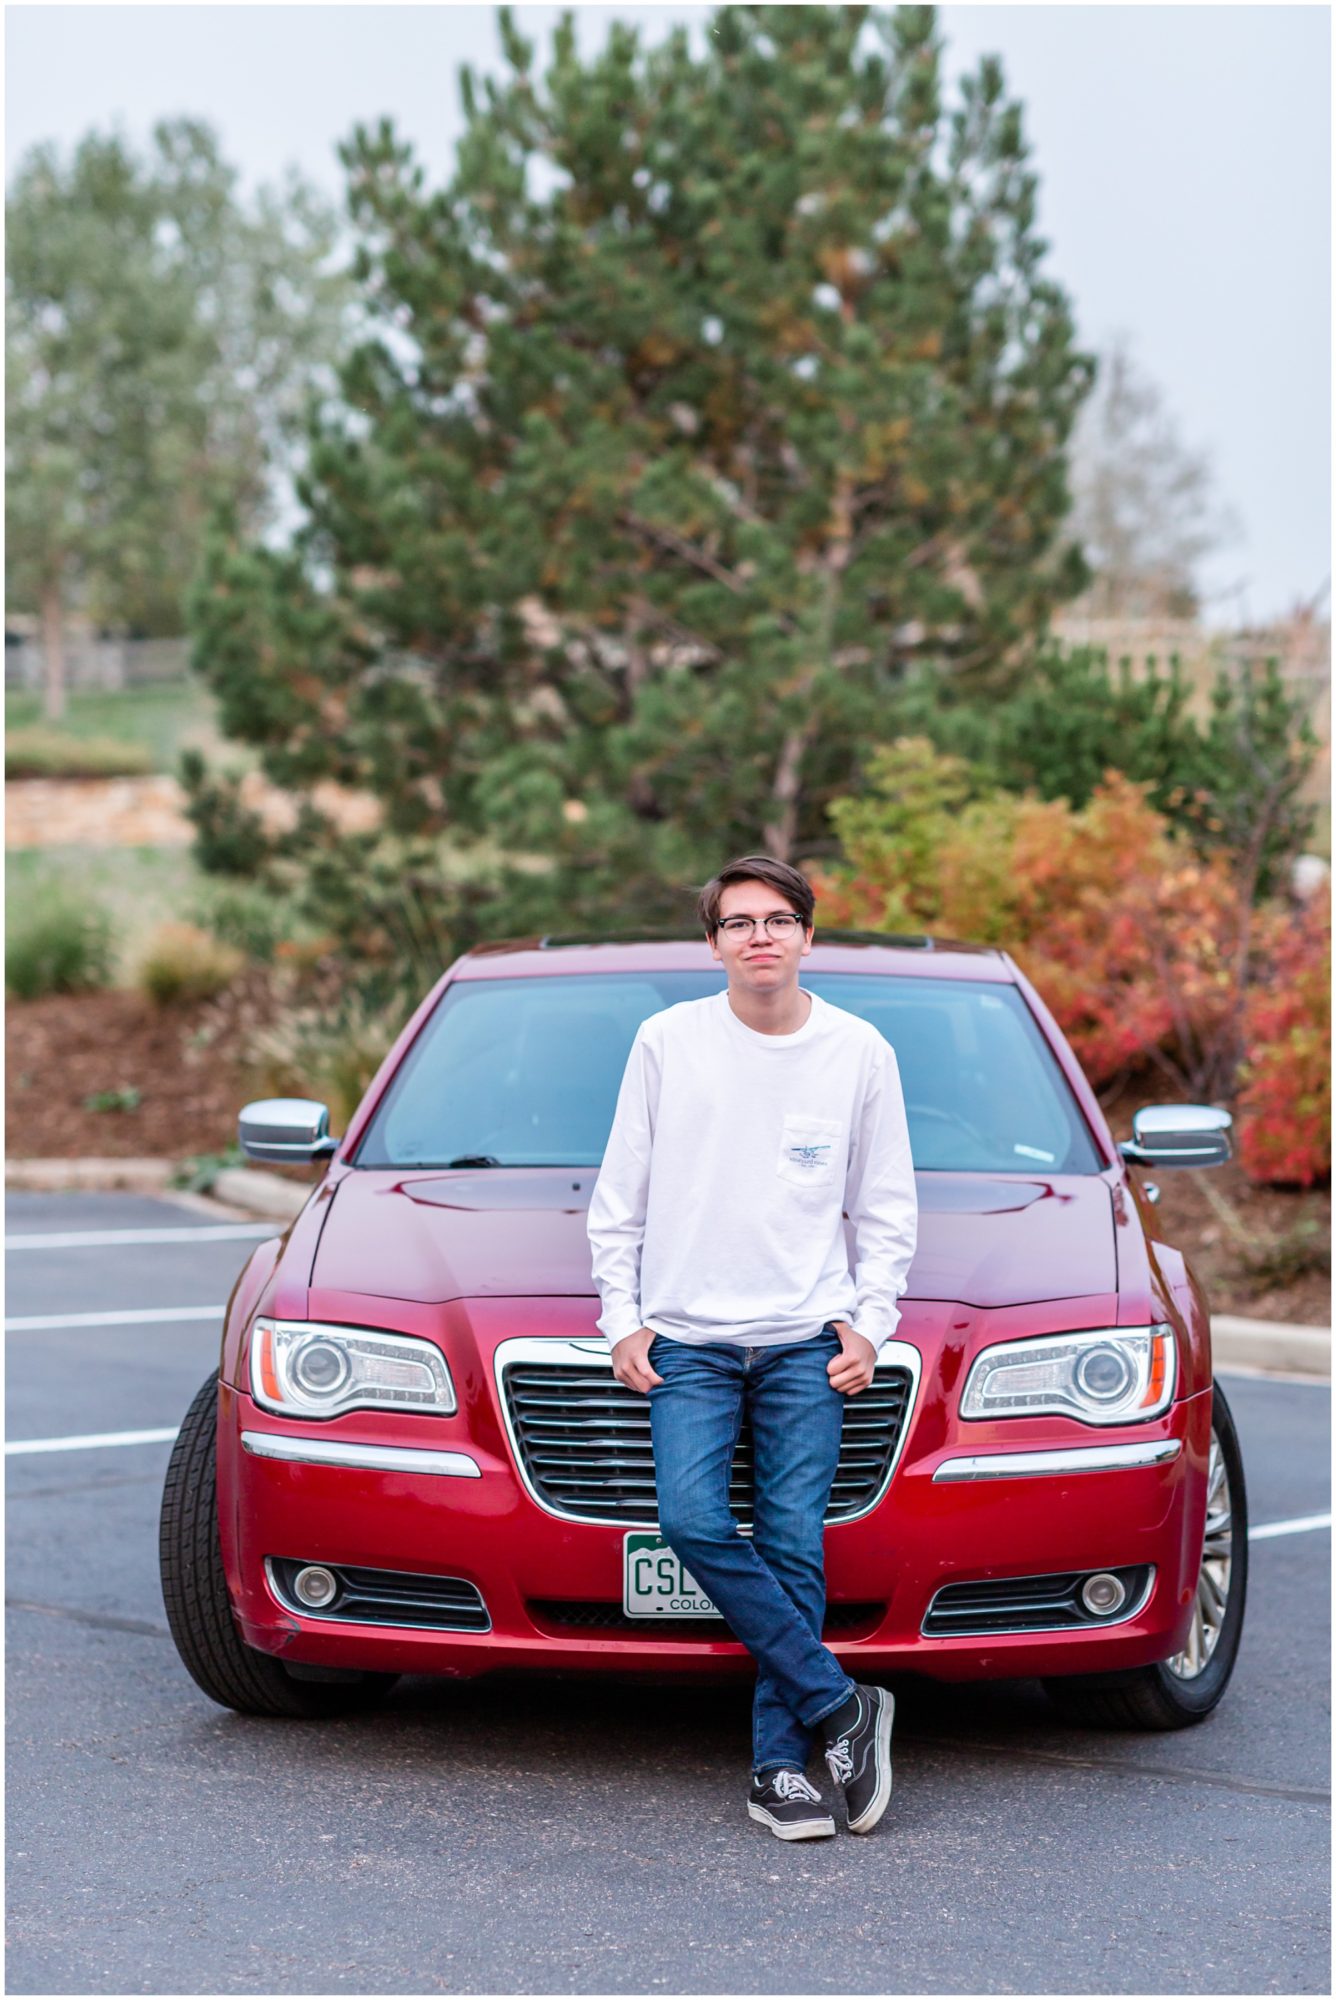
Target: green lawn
{"points": [[166, 717]]}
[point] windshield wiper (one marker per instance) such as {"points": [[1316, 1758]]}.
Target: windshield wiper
{"points": [[474, 1160]]}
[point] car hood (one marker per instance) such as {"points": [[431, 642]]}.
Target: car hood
{"points": [[984, 1240]]}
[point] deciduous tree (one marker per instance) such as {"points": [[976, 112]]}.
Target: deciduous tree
{"points": [[1146, 510], [161, 334]]}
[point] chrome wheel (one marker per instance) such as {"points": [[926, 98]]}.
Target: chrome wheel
{"points": [[1176, 1693], [1208, 1612]]}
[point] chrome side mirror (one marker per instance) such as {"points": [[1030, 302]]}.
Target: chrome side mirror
{"points": [[289, 1130], [1179, 1135]]}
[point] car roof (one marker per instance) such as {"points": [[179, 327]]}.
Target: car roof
{"points": [[833, 951]]}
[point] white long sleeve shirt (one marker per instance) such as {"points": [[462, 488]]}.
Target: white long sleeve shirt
{"points": [[718, 1214]]}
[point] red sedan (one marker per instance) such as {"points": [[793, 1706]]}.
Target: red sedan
{"points": [[415, 1459]]}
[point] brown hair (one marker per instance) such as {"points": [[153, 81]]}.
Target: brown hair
{"points": [[793, 887]]}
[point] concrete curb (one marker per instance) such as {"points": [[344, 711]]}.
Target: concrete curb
{"points": [[1270, 1345], [259, 1193], [248, 1189], [146, 1176]]}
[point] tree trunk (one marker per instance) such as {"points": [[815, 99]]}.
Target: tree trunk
{"points": [[781, 829], [53, 654], [640, 791]]}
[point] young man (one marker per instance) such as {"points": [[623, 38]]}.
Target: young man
{"points": [[747, 1124]]}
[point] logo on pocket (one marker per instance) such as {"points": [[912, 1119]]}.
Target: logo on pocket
{"points": [[809, 1149]]}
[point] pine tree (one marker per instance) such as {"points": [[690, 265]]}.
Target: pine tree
{"points": [[714, 392]]}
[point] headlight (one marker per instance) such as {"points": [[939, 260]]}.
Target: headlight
{"points": [[306, 1370], [1113, 1375]]}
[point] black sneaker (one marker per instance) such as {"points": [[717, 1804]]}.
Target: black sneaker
{"points": [[858, 1751], [791, 1807]]}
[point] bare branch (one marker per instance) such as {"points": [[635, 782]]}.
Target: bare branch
{"points": [[699, 559]]}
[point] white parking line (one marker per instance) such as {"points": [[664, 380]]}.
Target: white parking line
{"points": [[94, 1441], [110, 1239], [1301, 1526], [133, 1316]]}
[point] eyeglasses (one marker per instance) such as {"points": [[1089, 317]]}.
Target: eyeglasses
{"points": [[779, 926]]}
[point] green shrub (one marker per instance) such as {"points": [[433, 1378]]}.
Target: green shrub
{"points": [[49, 753], [126, 1097], [183, 963], [1234, 781], [263, 923], [59, 944], [137, 888], [199, 1173]]}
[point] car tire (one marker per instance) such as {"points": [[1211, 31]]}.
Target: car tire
{"points": [[194, 1591], [1174, 1694]]}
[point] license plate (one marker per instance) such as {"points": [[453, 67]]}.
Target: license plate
{"points": [[655, 1585]]}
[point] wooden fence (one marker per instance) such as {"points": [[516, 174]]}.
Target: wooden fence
{"points": [[107, 664]]}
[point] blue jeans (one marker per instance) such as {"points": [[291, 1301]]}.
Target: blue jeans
{"points": [[772, 1588]]}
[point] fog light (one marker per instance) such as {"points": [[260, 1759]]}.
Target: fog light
{"points": [[1100, 1594], [317, 1587]]}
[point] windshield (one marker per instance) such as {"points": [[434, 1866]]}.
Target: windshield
{"points": [[525, 1072]]}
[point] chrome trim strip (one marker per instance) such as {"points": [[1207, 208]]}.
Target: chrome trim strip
{"points": [[1044, 1464], [577, 1354], [358, 1624], [1024, 1631], [368, 1457]]}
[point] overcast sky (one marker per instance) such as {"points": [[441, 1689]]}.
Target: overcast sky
{"points": [[1182, 152]]}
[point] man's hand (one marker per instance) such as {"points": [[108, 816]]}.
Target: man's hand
{"points": [[630, 1361], [851, 1369]]}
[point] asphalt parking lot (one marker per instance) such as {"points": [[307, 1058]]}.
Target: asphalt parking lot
{"points": [[546, 1836]]}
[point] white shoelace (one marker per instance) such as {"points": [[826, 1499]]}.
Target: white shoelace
{"points": [[793, 1785], [840, 1759]]}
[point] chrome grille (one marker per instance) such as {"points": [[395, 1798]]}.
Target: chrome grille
{"points": [[584, 1443]]}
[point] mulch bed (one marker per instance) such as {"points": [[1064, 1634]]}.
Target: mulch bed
{"points": [[68, 1047], [1191, 1221], [187, 1063]]}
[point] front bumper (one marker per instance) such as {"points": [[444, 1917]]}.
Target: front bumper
{"points": [[443, 1498]]}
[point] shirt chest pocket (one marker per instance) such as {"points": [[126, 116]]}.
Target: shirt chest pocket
{"points": [[811, 1152]]}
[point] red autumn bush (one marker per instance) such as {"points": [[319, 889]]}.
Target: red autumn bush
{"points": [[1285, 1096], [1146, 954]]}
